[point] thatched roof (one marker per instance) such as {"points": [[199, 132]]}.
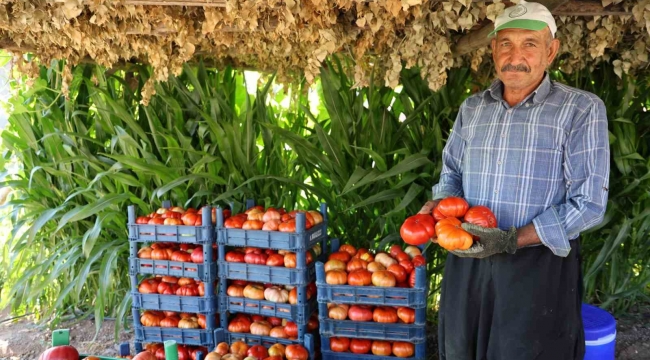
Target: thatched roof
{"points": [[294, 36]]}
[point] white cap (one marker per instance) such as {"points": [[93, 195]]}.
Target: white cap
{"points": [[525, 15]]}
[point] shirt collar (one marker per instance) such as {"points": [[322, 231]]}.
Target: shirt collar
{"points": [[539, 94]]}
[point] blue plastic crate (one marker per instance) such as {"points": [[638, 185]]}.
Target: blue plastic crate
{"points": [[420, 314], [149, 334], [266, 341], [372, 330], [327, 354], [173, 268], [188, 304], [171, 233], [302, 239], [297, 313], [373, 295], [267, 274]]}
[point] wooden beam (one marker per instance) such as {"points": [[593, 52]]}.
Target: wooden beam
{"points": [[478, 38], [589, 9], [204, 3]]}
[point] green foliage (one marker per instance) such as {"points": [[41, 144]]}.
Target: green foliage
{"points": [[616, 253], [371, 153]]}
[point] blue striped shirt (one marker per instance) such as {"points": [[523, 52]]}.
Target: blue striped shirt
{"points": [[545, 160]]}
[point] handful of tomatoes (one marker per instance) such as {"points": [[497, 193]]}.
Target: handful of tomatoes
{"points": [[443, 225]]}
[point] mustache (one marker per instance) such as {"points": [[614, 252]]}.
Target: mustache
{"points": [[520, 67]]}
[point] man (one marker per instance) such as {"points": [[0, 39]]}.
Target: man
{"points": [[536, 152]]}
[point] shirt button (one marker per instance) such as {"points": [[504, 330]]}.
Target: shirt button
{"points": [[499, 162], [509, 111], [527, 105], [496, 191], [503, 135]]}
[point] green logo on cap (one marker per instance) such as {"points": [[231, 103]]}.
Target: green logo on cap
{"points": [[518, 11]]}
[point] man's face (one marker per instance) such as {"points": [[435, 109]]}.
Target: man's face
{"points": [[522, 56]]}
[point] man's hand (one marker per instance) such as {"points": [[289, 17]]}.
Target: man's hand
{"points": [[491, 241], [428, 207]]}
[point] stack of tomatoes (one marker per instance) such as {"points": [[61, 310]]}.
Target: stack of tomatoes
{"points": [[444, 224], [270, 257], [272, 219], [269, 326], [269, 292], [175, 252], [399, 349], [171, 285], [178, 216], [380, 314], [171, 319], [239, 350], [361, 268]]}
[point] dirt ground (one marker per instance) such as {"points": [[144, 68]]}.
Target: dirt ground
{"points": [[21, 339]]}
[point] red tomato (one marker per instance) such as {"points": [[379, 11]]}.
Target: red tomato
{"points": [[360, 313], [396, 269], [407, 265], [453, 207], [258, 351], [481, 216], [339, 344], [419, 260], [381, 348], [360, 346], [235, 256], [275, 260], [255, 259], [418, 229], [451, 235], [64, 352], [395, 250]]}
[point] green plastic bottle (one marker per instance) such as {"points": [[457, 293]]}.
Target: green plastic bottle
{"points": [[171, 350]]}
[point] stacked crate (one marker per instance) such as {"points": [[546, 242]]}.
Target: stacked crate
{"points": [[299, 242], [206, 272], [415, 298]]}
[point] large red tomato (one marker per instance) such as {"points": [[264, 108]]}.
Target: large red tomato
{"points": [[339, 344], [183, 256], [291, 329], [149, 286], [258, 351], [275, 260], [481, 216], [235, 256], [418, 229], [235, 222], [399, 271], [403, 349], [360, 277], [360, 346], [453, 207], [360, 313], [381, 348], [348, 249], [451, 236], [407, 315], [65, 352], [340, 255], [296, 352], [255, 259], [384, 314]]}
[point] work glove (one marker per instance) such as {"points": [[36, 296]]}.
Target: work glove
{"points": [[491, 241]]}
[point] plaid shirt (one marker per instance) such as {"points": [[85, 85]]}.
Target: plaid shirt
{"points": [[545, 160]]}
